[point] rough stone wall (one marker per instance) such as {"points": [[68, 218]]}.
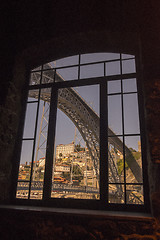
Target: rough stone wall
{"points": [[8, 127], [152, 96], [44, 226], [10, 113], [153, 113]]}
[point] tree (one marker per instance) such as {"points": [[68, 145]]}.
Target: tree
{"points": [[76, 170], [78, 147]]}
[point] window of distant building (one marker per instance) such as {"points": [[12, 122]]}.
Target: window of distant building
{"points": [[82, 135]]}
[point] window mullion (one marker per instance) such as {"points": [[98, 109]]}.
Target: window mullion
{"points": [[124, 152], [103, 143]]}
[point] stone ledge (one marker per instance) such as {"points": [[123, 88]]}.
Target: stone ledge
{"points": [[41, 223], [109, 214]]}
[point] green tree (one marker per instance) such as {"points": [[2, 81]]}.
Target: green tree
{"points": [[76, 170], [78, 147], [120, 166], [66, 175]]}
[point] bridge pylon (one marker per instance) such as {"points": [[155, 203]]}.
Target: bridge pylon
{"points": [[42, 139]]}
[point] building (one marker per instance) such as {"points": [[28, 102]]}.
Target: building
{"points": [[64, 150], [62, 168], [41, 162]]}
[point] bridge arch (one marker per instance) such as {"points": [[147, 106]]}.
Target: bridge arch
{"points": [[87, 122]]}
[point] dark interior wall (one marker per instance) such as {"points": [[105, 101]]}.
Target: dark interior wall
{"points": [[41, 225], [39, 31], [33, 22]]}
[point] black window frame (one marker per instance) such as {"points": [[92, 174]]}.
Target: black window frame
{"points": [[101, 204]]}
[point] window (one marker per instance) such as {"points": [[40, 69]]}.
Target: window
{"points": [[81, 144]]}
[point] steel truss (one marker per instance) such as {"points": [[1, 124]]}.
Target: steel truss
{"points": [[88, 124]]}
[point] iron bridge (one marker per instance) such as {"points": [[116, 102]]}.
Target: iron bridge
{"points": [[87, 122]]}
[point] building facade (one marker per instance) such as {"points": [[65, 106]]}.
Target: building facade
{"points": [[64, 150]]}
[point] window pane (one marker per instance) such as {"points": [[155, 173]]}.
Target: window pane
{"points": [[33, 95], [113, 68], [126, 56], [68, 61], [22, 190], [36, 189], [30, 119], [134, 194], [128, 66], [115, 159], [115, 114], [37, 68], [76, 158], [24, 169], [95, 57], [116, 193], [129, 85], [90, 99], [48, 76], [25, 160], [114, 86], [89, 71], [133, 159], [35, 78], [67, 74], [131, 114]]}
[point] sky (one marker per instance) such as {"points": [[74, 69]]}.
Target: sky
{"points": [[65, 129]]}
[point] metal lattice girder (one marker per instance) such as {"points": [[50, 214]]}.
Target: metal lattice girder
{"points": [[87, 122]]}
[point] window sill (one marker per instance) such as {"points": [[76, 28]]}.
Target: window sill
{"points": [[80, 212]]}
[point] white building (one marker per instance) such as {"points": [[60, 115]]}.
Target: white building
{"points": [[42, 162], [62, 168], [63, 150]]}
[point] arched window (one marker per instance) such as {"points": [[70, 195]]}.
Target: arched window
{"points": [[81, 144]]}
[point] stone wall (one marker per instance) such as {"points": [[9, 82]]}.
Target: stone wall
{"points": [[153, 115], [18, 224], [152, 103], [8, 130]]}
